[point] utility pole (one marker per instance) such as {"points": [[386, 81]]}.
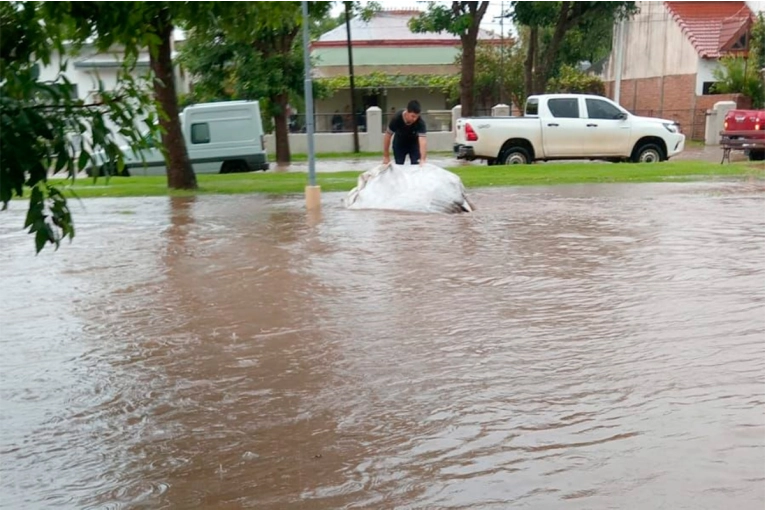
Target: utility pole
{"points": [[502, 53], [619, 61], [312, 191], [350, 73]]}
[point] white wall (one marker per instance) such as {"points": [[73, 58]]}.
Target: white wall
{"points": [[654, 46], [343, 142], [397, 98], [368, 142], [706, 67]]}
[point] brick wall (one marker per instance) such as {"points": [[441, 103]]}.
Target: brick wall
{"points": [[672, 97]]}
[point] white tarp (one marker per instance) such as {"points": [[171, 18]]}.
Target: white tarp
{"points": [[426, 188]]}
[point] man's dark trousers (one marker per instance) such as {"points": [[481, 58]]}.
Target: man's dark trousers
{"points": [[401, 150]]}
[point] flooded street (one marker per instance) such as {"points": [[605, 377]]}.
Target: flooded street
{"points": [[583, 347]]}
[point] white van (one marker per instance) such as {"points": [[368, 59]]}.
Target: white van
{"points": [[222, 137]]}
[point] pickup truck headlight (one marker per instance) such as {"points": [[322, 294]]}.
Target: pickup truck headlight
{"points": [[672, 127]]}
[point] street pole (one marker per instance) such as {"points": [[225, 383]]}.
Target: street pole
{"points": [[350, 72], [619, 61], [312, 191], [502, 53]]}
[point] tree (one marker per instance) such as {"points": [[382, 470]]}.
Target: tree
{"points": [[560, 18], [224, 69], [44, 127], [743, 75], [737, 75], [136, 25], [462, 19], [571, 80], [180, 173], [322, 25], [498, 75], [260, 58]]}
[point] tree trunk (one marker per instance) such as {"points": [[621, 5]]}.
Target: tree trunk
{"points": [[180, 174], [469, 39], [566, 19], [467, 79], [531, 57], [280, 129]]}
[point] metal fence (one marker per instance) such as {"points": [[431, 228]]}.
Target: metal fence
{"points": [[435, 120]]}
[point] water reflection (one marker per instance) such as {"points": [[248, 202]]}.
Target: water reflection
{"points": [[594, 346]]}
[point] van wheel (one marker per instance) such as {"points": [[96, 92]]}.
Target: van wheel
{"points": [[756, 155], [648, 153], [234, 166], [514, 156]]}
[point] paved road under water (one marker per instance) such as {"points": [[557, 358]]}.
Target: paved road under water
{"points": [[596, 347]]}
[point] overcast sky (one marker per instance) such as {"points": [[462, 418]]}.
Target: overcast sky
{"points": [[490, 20]]}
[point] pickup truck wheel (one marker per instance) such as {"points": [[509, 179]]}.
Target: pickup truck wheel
{"points": [[514, 156], [756, 155], [648, 153]]}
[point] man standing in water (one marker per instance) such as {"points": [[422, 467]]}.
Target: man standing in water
{"points": [[409, 130]]}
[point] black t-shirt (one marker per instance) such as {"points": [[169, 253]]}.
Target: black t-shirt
{"points": [[406, 133]]}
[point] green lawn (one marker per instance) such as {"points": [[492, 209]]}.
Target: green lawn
{"points": [[297, 158], [472, 177]]}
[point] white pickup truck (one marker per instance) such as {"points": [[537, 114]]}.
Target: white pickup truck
{"points": [[568, 126]]}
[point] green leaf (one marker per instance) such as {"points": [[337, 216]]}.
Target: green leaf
{"points": [[83, 160]]}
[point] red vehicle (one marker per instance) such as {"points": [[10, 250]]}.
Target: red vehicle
{"points": [[748, 125]]}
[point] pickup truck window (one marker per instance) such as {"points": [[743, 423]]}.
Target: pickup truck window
{"points": [[597, 109], [532, 107], [567, 108]]}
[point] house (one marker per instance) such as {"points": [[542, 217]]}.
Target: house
{"points": [[391, 65], [89, 66], [670, 52]]}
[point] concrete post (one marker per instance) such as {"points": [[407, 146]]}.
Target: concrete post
{"points": [[715, 119], [375, 129], [500, 110], [456, 115]]}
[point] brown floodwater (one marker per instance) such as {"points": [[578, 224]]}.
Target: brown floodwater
{"points": [[594, 346]]}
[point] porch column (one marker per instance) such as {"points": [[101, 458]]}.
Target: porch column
{"points": [[500, 110], [456, 115], [374, 129], [715, 120]]}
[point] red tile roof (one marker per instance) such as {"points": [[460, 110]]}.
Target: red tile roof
{"points": [[710, 25]]}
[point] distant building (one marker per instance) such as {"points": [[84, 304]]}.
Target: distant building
{"points": [[671, 50], [386, 47]]}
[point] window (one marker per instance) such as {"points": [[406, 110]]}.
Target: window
{"points": [[597, 109], [707, 88], [200, 133], [532, 107], [564, 108], [742, 43]]}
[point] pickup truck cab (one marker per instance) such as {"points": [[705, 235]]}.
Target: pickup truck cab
{"points": [[568, 126]]}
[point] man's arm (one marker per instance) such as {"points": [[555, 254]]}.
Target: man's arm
{"points": [[386, 147], [423, 149]]}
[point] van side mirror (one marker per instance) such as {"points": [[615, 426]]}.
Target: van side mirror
{"points": [[621, 116]]}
